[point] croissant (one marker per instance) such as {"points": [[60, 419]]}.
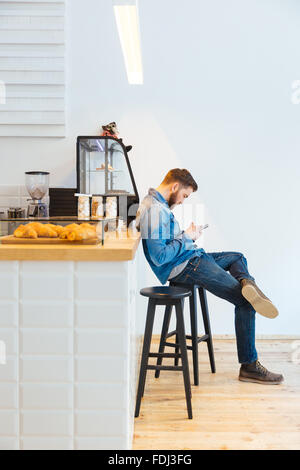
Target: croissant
{"points": [[43, 230], [30, 233], [64, 234], [34, 225], [18, 233], [81, 234], [25, 232], [57, 228]]}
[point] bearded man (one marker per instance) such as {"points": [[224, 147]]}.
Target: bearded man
{"points": [[172, 254]]}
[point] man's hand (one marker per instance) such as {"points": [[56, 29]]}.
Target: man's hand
{"points": [[194, 231]]}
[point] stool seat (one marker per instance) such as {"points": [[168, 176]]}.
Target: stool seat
{"points": [[161, 292]]}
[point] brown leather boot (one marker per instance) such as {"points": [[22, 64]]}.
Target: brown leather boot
{"points": [[257, 373], [257, 299]]}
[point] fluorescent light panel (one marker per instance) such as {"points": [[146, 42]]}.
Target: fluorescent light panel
{"points": [[128, 28]]}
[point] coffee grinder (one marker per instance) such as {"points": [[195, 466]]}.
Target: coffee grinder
{"points": [[37, 185]]}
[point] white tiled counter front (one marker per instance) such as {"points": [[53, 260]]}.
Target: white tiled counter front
{"points": [[71, 354]]}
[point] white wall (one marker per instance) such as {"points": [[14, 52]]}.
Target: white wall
{"points": [[216, 100]]}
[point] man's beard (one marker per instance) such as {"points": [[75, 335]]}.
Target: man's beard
{"points": [[172, 199]]}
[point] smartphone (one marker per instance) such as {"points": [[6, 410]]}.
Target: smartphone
{"points": [[204, 226]]}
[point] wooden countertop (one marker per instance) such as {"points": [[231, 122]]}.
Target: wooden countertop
{"points": [[117, 247]]}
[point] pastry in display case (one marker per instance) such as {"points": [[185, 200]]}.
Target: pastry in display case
{"points": [[103, 170]]}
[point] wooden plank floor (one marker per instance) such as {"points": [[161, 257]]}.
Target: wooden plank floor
{"points": [[228, 414]]}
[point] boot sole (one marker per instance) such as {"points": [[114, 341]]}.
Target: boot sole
{"points": [[248, 379], [262, 306]]}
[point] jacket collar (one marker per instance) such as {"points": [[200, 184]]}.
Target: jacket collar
{"points": [[157, 195]]}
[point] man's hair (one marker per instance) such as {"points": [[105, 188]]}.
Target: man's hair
{"points": [[183, 177]]}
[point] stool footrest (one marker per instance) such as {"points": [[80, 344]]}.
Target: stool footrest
{"points": [[172, 345], [176, 345], [199, 339], [203, 338], [172, 333], [173, 355], [152, 367]]}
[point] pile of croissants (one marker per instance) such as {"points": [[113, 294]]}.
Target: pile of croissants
{"points": [[72, 232]]}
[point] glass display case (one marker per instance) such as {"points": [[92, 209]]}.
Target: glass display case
{"points": [[103, 169], [8, 226]]}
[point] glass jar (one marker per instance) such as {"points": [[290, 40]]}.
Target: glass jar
{"points": [[111, 207], [83, 206], [97, 207]]}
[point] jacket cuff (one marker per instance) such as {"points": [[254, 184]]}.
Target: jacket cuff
{"points": [[188, 241]]}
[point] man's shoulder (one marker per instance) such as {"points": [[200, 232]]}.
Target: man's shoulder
{"points": [[149, 200], [150, 203], [150, 207]]}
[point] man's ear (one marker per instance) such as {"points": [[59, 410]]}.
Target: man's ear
{"points": [[175, 187]]}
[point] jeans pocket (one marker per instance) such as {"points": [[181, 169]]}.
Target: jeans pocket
{"points": [[194, 262]]}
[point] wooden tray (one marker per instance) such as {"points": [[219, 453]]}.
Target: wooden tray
{"points": [[12, 240]]}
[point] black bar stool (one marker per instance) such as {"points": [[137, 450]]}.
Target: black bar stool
{"points": [[194, 329], [167, 296]]}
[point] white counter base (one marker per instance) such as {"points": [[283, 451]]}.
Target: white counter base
{"points": [[70, 377]]}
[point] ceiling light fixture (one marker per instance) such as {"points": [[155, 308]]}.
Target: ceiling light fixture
{"points": [[127, 19]]}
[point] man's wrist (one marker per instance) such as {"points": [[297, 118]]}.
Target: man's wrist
{"points": [[188, 235]]}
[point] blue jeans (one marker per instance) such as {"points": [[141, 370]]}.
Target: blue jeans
{"points": [[210, 271]]}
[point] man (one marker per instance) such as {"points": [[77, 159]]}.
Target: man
{"points": [[172, 254]]}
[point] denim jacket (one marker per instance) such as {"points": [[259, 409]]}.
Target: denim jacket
{"points": [[165, 245]]}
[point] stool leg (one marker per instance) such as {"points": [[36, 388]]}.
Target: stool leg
{"points": [[164, 332], [205, 315], [184, 357], [145, 354], [194, 331], [176, 360]]}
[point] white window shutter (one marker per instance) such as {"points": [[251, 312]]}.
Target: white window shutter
{"points": [[32, 68]]}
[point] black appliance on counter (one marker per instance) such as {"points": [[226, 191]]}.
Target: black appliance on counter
{"points": [[62, 202], [103, 169]]}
